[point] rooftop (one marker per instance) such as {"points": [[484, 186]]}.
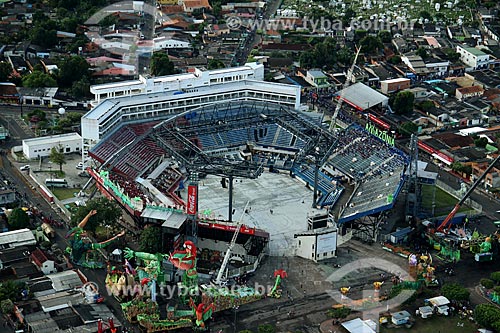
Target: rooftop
{"points": [[53, 139], [362, 96], [474, 51]]}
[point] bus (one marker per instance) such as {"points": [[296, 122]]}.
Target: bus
{"points": [[56, 182]]}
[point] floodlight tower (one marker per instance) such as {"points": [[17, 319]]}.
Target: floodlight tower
{"points": [[347, 83], [413, 189]]}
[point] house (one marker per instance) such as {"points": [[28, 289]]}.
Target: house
{"points": [[390, 86], [474, 58], [37, 147], [317, 78], [13, 255], [468, 92], [16, 238], [437, 67], [17, 63], [162, 43], [40, 259], [7, 197], [191, 5], [416, 65], [36, 51], [491, 180], [9, 93], [38, 96]]}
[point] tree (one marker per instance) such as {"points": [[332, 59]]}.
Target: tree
{"points": [[18, 219], [266, 328], [395, 60], [43, 36], [455, 291], [11, 290], [385, 36], [425, 15], [108, 212], [403, 102], [342, 312], [39, 79], [486, 314], [150, 240], [161, 65], [408, 128], [6, 306], [56, 156], [215, 64], [481, 142], [422, 53], [73, 69], [495, 276], [5, 71], [81, 88], [371, 44], [487, 283]]}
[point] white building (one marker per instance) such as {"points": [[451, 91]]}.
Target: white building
{"points": [[317, 244], [40, 147], [473, 57], [178, 82], [162, 43], [21, 237]]}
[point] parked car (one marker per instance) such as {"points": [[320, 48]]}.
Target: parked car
{"points": [[80, 166], [24, 167]]}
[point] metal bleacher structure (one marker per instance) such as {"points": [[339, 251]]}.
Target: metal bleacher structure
{"points": [[208, 140]]}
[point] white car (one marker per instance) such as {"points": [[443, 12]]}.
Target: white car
{"points": [[80, 166], [24, 167]]}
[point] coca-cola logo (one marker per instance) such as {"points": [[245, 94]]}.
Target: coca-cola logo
{"points": [[192, 200]]}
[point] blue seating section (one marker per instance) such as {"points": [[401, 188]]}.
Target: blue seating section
{"points": [[330, 192]]}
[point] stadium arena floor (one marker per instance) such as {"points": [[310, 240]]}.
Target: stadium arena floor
{"points": [[288, 198]]}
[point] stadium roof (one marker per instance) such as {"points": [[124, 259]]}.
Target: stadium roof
{"points": [[362, 97]]}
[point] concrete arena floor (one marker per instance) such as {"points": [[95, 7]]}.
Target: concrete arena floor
{"points": [[287, 197]]}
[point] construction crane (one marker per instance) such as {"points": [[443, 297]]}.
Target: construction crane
{"points": [[347, 83], [447, 220], [218, 280]]}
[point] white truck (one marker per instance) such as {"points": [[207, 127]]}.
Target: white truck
{"points": [[440, 304]]}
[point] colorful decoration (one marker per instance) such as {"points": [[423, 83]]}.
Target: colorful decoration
{"points": [[82, 250], [279, 274], [203, 312], [486, 245], [185, 259]]}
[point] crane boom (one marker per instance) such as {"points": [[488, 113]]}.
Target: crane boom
{"points": [[347, 82], [447, 220], [218, 280]]}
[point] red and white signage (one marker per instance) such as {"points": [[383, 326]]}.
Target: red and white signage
{"points": [[191, 199]]}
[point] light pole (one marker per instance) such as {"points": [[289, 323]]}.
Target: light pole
{"points": [[235, 312], [316, 171]]}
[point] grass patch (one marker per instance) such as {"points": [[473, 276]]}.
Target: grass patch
{"points": [[436, 324], [444, 201], [64, 193]]}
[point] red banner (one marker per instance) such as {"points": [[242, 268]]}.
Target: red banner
{"points": [[191, 199]]}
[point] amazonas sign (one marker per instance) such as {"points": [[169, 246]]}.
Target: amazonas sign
{"points": [[382, 135]]}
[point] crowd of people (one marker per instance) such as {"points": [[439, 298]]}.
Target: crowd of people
{"points": [[129, 187]]}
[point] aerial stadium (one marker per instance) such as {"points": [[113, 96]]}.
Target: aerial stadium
{"points": [[189, 158]]}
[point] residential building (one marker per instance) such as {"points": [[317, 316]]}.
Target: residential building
{"points": [[491, 180], [162, 43], [468, 92], [40, 259], [474, 58], [7, 197], [394, 85], [21, 237], [192, 5], [317, 78]]}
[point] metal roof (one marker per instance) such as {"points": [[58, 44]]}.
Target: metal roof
{"points": [[17, 238], [363, 96], [65, 280], [53, 139], [358, 326]]}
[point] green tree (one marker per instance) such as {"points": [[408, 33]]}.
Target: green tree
{"points": [[73, 69], [425, 15], [215, 64], [403, 102], [11, 290], [408, 128], [161, 65], [108, 212], [266, 328], [342, 312], [6, 306], [455, 291], [348, 16], [385, 36], [371, 44], [245, 331], [43, 37], [40, 114], [18, 219], [396, 60], [81, 88], [495, 276], [57, 156], [487, 283], [481, 142], [150, 240], [486, 314], [39, 79], [5, 71], [422, 53]]}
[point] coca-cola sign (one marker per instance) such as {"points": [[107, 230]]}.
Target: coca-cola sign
{"points": [[191, 200]]}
